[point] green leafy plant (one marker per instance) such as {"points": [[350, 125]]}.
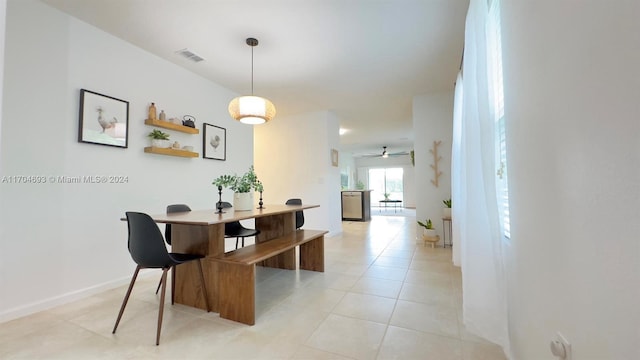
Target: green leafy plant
{"points": [[240, 184], [427, 224], [386, 195], [158, 135], [447, 203], [360, 185]]}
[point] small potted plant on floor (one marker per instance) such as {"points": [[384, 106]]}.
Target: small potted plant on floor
{"points": [[159, 139], [429, 232], [446, 212]]}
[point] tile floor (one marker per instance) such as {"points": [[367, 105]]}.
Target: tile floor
{"points": [[381, 297]]}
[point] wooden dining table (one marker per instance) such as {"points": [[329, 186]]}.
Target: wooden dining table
{"points": [[202, 232]]}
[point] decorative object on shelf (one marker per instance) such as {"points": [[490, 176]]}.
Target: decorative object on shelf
{"points": [[214, 142], [219, 203], [446, 212], [187, 148], [436, 160], [159, 139], [104, 120], [241, 186], [360, 185], [334, 157], [152, 112], [260, 189], [386, 196], [189, 121], [176, 145], [162, 116], [252, 109]]}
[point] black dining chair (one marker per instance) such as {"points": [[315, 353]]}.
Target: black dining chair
{"points": [[175, 208], [235, 229], [148, 251], [299, 214]]}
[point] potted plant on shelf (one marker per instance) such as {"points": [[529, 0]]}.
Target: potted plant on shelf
{"points": [[241, 186], [446, 212], [159, 139], [386, 196]]}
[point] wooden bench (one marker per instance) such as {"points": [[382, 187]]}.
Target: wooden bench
{"points": [[237, 272]]}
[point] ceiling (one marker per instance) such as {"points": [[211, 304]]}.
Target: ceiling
{"points": [[364, 60]]}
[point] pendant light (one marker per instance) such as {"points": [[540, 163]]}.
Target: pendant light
{"points": [[252, 109]]}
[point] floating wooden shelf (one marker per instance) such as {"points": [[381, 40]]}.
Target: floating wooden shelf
{"points": [[171, 152], [172, 126]]}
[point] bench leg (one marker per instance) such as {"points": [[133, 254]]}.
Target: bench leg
{"points": [[237, 292], [312, 255], [285, 260]]}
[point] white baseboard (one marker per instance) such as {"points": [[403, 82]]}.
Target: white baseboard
{"points": [[34, 307]]}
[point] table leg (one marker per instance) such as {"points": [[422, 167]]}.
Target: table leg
{"points": [[275, 226], [202, 240]]}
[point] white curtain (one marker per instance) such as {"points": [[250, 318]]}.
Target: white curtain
{"points": [[456, 168], [477, 232]]}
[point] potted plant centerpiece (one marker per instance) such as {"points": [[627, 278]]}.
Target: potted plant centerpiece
{"points": [[159, 139], [242, 187], [446, 212]]}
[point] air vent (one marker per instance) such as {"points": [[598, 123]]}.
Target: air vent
{"points": [[189, 55]]}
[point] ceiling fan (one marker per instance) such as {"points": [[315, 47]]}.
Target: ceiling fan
{"points": [[385, 154]]}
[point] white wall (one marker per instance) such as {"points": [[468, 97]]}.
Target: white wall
{"points": [[409, 189], [61, 241], [572, 84], [432, 121], [293, 160]]}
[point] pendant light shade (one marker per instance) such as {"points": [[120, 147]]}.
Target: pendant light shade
{"points": [[252, 109]]}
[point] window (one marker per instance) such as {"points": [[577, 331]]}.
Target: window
{"points": [[494, 38], [386, 181]]}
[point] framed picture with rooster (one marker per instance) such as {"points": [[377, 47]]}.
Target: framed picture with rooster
{"points": [[104, 120]]}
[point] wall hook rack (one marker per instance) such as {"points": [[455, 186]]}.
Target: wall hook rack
{"points": [[436, 160]]}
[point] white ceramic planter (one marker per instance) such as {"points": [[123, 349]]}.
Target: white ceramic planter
{"points": [[446, 212], [159, 143], [429, 232], [243, 201], [430, 236]]}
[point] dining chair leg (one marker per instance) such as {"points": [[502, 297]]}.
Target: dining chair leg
{"points": [[173, 285], [204, 288], [237, 242], [161, 309], [159, 284], [126, 298], [242, 242]]}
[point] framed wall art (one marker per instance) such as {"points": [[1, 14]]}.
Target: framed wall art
{"points": [[104, 120], [334, 157], [214, 142]]}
